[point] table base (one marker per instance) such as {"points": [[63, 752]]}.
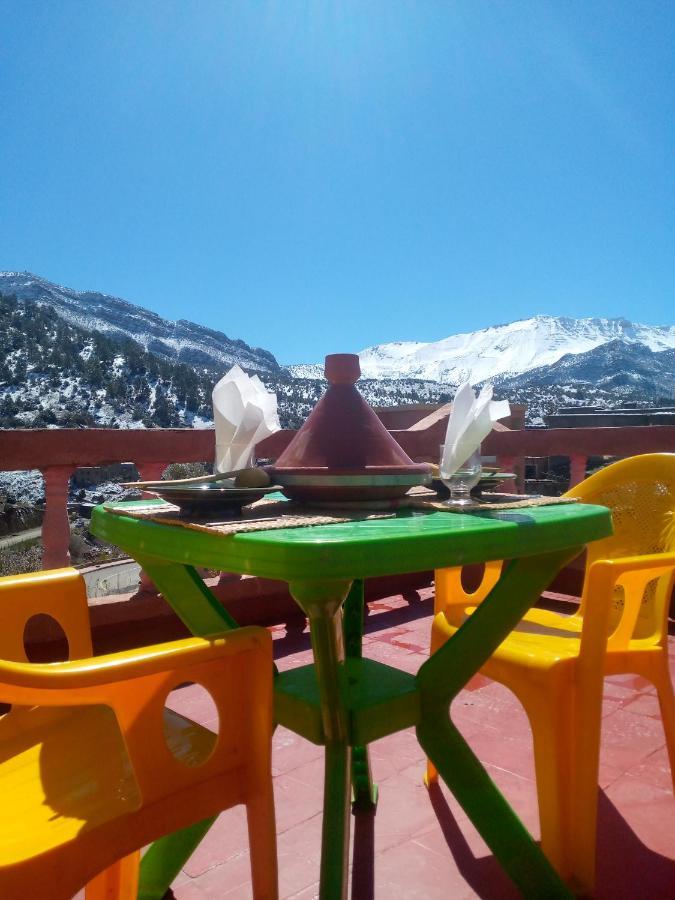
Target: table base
{"points": [[344, 702]]}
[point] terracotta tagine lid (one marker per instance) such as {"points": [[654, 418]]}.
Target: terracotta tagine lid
{"points": [[343, 451]]}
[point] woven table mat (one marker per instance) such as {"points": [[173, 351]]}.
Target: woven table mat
{"points": [[265, 515], [426, 499], [269, 515]]}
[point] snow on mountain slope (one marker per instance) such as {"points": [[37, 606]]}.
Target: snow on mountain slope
{"points": [[506, 349], [502, 350], [183, 341]]}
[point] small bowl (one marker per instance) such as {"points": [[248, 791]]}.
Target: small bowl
{"points": [[211, 498]]}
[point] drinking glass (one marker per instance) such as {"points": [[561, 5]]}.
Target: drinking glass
{"points": [[463, 480]]}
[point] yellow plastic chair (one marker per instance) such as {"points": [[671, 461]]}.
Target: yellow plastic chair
{"points": [[93, 766], [555, 664]]}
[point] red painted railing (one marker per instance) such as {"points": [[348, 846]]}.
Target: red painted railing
{"points": [[58, 452]]}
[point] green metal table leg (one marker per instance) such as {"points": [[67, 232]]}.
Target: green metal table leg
{"points": [[442, 677], [322, 602], [364, 791], [200, 611]]}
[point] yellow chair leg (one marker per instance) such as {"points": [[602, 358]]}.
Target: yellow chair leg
{"points": [[431, 774], [551, 724], [117, 882], [566, 737], [262, 843]]}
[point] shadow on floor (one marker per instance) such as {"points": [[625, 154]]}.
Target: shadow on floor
{"points": [[626, 868], [483, 874], [363, 862]]}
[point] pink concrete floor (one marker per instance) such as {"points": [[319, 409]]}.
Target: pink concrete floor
{"points": [[421, 845]]}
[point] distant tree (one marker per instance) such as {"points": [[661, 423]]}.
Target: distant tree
{"points": [[20, 372], [162, 413]]}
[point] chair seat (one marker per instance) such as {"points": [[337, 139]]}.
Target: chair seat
{"points": [[64, 771], [525, 642]]}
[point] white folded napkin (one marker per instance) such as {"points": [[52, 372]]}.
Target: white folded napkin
{"points": [[244, 412], [470, 423]]}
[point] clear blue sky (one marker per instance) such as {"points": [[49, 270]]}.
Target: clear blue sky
{"points": [[322, 176]]}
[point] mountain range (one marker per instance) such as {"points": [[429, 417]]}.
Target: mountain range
{"points": [[503, 350], [182, 341], [93, 359]]}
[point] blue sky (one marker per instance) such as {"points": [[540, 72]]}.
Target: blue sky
{"points": [[318, 177]]}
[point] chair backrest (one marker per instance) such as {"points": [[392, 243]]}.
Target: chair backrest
{"points": [[640, 491], [58, 593]]}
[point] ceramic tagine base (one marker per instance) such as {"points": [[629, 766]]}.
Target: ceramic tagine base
{"points": [[319, 486], [343, 453]]}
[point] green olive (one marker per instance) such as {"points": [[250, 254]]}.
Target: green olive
{"points": [[252, 478]]}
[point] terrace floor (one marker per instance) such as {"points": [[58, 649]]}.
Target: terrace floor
{"points": [[420, 844]]}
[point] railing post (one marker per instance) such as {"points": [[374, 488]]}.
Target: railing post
{"points": [[508, 464], [578, 463], [56, 525], [149, 471]]}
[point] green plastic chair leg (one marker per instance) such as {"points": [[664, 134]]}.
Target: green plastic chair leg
{"points": [[189, 597], [166, 857], [496, 822], [441, 678], [352, 619], [364, 791], [335, 829], [323, 602]]}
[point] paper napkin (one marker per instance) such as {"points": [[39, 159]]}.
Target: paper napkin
{"points": [[470, 423], [244, 412]]}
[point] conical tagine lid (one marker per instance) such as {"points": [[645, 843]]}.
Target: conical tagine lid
{"points": [[343, 451]]}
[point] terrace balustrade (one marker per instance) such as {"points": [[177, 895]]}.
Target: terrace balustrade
{"points": [[58, 452]]}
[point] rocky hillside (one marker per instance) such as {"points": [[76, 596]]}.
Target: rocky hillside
{"points": [[54, 373], [180, 341]]}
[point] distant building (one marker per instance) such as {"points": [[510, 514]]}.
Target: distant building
{"points": [[417, 414], [596, 417]]}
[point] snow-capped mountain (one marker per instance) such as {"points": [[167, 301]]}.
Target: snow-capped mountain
{"points": [[183, 341], [70, 358], [503, 350]]}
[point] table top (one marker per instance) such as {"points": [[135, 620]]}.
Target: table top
{"points": [[409, 541]]}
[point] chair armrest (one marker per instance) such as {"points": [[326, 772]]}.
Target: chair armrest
{"points": [[633, 573], [89, 680], [235, 668], [623, 564], [450, 595]]}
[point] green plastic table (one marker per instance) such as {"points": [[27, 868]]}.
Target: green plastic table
{"points": [[344, 701]]}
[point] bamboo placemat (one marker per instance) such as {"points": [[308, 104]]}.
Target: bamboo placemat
{"points": [[265, 515], [416, 499], [269, 515]]}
